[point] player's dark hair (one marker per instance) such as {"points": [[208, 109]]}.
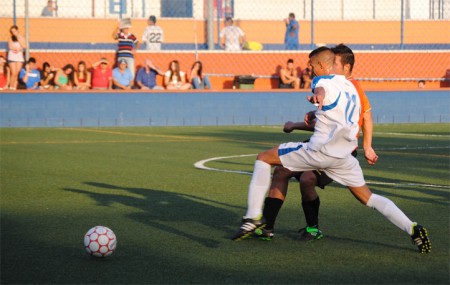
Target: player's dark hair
{"points": [[346, 54], [32, 59], [292, 15], [318, 50], [290, 60]]}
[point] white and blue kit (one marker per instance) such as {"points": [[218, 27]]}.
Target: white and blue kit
{"points": [[335, 135]]}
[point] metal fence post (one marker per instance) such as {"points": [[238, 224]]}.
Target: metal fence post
{"points": [[402, 21], [27, 31], [312, 24], [210, 27]]}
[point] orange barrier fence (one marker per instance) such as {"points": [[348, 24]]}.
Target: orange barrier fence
{"points": [[264, 31], [368, 64]]}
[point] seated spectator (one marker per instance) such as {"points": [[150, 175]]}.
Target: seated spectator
{"points": [[101, 75], [82, 77], [289, 77], [196, 77], [47, 77], [122, 76], [175, 78], [5, 73], [64, 78], [146, 76], [29, 75], [307, 77], [421, 84]]}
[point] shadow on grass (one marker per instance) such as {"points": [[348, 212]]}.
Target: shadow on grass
{"points": [[162, 208]]}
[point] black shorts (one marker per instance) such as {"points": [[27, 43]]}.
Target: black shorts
{"points": [[322, 178]]}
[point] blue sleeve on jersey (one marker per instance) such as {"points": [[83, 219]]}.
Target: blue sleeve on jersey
{"points": [[317, 79]]}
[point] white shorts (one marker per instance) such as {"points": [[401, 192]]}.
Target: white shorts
{"points": [[297, 157]]}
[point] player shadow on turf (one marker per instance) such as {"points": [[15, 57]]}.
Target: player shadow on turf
{"points": [[166, 211]]}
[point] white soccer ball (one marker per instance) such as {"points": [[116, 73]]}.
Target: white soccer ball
{"points": [[100, 241]]}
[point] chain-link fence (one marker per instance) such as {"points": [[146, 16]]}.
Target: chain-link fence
{"points": [[394, 41]]}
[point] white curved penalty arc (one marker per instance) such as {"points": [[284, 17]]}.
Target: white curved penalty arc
{"points": [[201, 164]]}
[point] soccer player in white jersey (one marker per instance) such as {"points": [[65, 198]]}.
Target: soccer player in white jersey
{"points": [[153, 35], [329, 150]]}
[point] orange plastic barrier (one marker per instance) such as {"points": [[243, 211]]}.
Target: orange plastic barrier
{"points": [[368, 64], [263, 31]]}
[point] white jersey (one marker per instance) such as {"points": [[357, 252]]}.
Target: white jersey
{"points": [[337, 123], [153, 37], [232, 35]]}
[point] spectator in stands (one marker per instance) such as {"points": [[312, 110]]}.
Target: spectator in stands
{"points": [[64, 78], [16, 45], [82, 77], [101, 75], [196, 77], [421, 84], [174, 78], [232, 37], [291, 35], [47, 77], [153, 35], [48, 10], [146, 76], [5, 73], [289, 77], [122, 77], [127, 44], [29, 75], [307, 77]]}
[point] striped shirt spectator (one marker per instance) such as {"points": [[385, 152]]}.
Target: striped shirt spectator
{"points": [[127, 43]]}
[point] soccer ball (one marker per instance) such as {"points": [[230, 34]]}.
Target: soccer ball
{"points": [[100, 241]]}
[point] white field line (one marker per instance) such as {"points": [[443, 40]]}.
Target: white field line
{"points": [[201, 165]]}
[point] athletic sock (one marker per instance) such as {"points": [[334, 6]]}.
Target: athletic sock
{"points": [[391, 212], [258, 188], [271, 208], [311, 211]]}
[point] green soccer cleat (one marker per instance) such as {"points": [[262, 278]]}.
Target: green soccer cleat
{"points": [[310, 233], [264, 234], [248, 227], [420, 238]]}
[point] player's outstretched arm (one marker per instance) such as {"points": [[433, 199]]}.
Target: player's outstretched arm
{"points": [[367, 129], [302, 126]]}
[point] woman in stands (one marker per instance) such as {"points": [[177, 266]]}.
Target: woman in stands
{"points": [[5, 74], [64, 78], [16, 46], [196, 77], [82, 77], [174, 78], [47, 77]]}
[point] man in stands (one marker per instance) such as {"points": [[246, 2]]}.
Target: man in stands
{"points": [[101, 75]]}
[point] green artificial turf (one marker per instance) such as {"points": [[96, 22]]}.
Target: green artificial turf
{"points": [[173, 221]]}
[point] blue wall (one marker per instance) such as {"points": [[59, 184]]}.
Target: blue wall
{"points": [[30, 109]]}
